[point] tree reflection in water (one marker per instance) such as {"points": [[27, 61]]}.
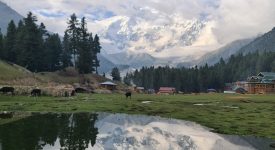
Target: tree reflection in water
{"points": [[74, 132]]}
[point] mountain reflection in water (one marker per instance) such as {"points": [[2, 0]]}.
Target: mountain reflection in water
{"points": [[81, 131]]}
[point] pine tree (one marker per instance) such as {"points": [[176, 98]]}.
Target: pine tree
{"points": [[116, 74], [32, 47], [53, 49], [127, 79], [97, 48], [85, 53], [92, 49], [1, 45], [73, 34], [66, 52], [9, 50], [42, 29], [19, 43]]}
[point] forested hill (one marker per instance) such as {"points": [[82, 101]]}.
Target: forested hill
{"points": [[261, 44], [238, 68], [224, 52], [265, 42]]}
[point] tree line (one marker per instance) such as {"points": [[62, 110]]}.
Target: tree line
{"points": [[199, 79], [30, 45]]}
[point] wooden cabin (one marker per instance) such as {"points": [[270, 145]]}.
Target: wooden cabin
{"points": [[260, 88], [263, 83], [167, 90], [108, 85]]}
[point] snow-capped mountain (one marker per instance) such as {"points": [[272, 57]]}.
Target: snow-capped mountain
{"points": [[148, 31], [151, 38]]}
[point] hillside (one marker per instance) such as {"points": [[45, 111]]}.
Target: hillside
{"points": [[7, 14], [11, 71], [224, 52], [105, 64], [264, 43], [261, 44], [14, 75]]}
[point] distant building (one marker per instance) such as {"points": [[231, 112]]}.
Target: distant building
{"points": [[211, 91], [236, 87], [108, 85], [167, 90], [228, 87], [140, 89], [240, 90], [263, 83], [239, 84]]}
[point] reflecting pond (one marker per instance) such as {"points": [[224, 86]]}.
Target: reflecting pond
{"points": [[81, 131]]}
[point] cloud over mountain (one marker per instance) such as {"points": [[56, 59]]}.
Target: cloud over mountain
{"points": [[232, 17], [186, 28]]}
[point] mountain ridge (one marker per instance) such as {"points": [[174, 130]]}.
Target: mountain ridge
{"points": [[266, 42], [7, 14]]}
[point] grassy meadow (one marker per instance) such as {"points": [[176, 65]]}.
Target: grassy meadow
{"points": [[228, 114]]}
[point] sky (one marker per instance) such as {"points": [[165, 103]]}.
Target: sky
{"points": [[233, 19]]}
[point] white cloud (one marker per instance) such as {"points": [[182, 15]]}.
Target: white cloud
{"points": [[233, 19], [243, 18]]}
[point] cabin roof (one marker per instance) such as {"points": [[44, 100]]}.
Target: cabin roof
{"points": [[211, 89], [140, 88], [108, 83], [166, 88], [267, 76], [238, 88]]}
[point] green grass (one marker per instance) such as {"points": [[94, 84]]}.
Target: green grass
{"points": [[9, 71], [227, 114]]}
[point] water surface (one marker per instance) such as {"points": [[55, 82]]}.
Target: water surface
{"points": [[117, 131]]}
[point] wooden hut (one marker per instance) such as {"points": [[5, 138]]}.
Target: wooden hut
{"points": [[108, 85], [263, 83], [167, 90]]}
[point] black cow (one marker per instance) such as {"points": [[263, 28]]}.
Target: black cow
{"points": [[6, 90], [128, 94], [36, 92], [73, 93]]}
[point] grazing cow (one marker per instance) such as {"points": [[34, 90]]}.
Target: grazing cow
{"points": [[6, 115], [36, 92], [73, 93], [6, 90], [81, 90], [128, 94]]}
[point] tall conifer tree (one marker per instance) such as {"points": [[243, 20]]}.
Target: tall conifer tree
{"points": [[1, 45], [66, 52], [85, 53], [32, 46], [53, 49], [19, 43], [97, 48], [9, 52], [73, 34]]}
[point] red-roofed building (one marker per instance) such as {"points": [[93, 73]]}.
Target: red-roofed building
{"points": [[167, 90]]}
